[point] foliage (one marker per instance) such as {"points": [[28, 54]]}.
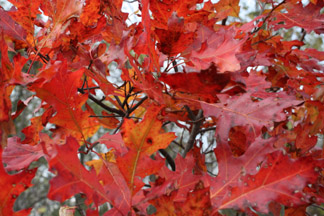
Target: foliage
{"points": [[187, 68]]}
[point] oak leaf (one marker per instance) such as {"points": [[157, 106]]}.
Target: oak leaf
{"points": [[19, 156], [205, 84], [142, 139], [218, 47], [11, 187], [312, 19], [162, 11], [9, 26], [231, 168], [175, 39], [181, 180], [61, 92], [90, 13], [254, 114], [72, 178], [280, 178]]}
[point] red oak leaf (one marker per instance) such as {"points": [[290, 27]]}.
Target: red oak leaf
{"points": [[175, 39], [311, 18], [9, 26], [114, 141], [90, 13], [206, 83], [253, 114], [231, 169], [25, 14], [72, 177], [18, 156], [11, 187], [61, 92], [164, 204], [305, 140], [59, 12], [301, 210], [219, 47], [197, 203], [182, 180], [280, 179], [162, 11], [227, 8], [114, 183]]}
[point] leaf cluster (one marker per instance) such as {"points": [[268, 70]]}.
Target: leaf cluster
{"points": [[187, 68]]}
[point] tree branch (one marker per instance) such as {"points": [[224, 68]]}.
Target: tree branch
{"points": [[136, 105], [197, 121], [101, 104], [168, 158]]}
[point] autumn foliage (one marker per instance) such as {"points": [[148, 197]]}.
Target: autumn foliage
{"points": [[186, 69]]}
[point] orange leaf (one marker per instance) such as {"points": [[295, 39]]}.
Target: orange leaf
{"points": [[90, 13], [143, 139]]}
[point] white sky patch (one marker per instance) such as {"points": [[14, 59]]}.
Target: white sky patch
{"points": [[132, 10], [5, 4]]}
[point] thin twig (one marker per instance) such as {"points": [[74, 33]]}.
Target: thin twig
{"points": [[119, 126], [207, 129], [178, 144], [208, 152], [90, 88], [268, 16], [303, 35], [110, 109], [175, 66], [264, 40], [317, 206], [168, 122]]}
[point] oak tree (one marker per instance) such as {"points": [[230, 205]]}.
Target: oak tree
{"points": [[185, 69]]}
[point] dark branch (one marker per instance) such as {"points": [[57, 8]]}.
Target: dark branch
{"points": [[168, 158], [136, 105], [103, 116], [303, 35], [90, 88], [197, 121], [119, 102], [104, 106], [224, 21], [178, 144], [207, 129], [174, 64], [101, 104]]}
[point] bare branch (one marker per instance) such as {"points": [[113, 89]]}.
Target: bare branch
{"points": [[197, 121]]}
